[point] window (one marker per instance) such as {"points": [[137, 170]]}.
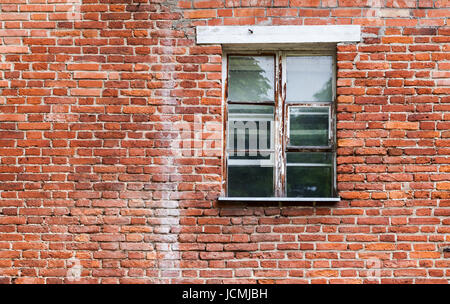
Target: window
{"points": [[280, 125]]}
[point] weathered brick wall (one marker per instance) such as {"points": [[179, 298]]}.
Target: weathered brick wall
{"points": [[110, 147]]}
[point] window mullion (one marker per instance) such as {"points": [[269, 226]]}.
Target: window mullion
{"points": [[280, 163], [284, 121], [277, 136]]}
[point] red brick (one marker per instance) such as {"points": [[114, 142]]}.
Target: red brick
{"points": [[92, 112]]}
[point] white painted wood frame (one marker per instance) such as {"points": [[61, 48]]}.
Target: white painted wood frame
{"points": [[283, 34]]}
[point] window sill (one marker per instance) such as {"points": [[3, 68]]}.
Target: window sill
{"points": [[279, 199]]}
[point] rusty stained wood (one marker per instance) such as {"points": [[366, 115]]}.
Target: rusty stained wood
{"points": [[224, 123], [280, 175]]}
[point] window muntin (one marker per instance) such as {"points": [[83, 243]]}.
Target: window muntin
{"points": [[297, 158]]}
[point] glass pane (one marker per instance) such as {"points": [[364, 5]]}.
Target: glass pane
{"points": [[250, 127], [309, 126], [250, 181], [251, 78], [325, 158], [309, 181], [309, 174], [309, 78]]}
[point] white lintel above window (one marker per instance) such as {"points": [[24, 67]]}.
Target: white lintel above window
{"points": [[283, 34]]}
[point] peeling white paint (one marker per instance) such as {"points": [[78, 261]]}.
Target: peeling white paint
{"points": [[75, 269], [167, 212]]}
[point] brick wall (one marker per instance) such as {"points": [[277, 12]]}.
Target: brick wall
{"points": [[110, 147]]}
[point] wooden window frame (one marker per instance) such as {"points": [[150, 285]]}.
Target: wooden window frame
{"points": [[281, 121]]}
